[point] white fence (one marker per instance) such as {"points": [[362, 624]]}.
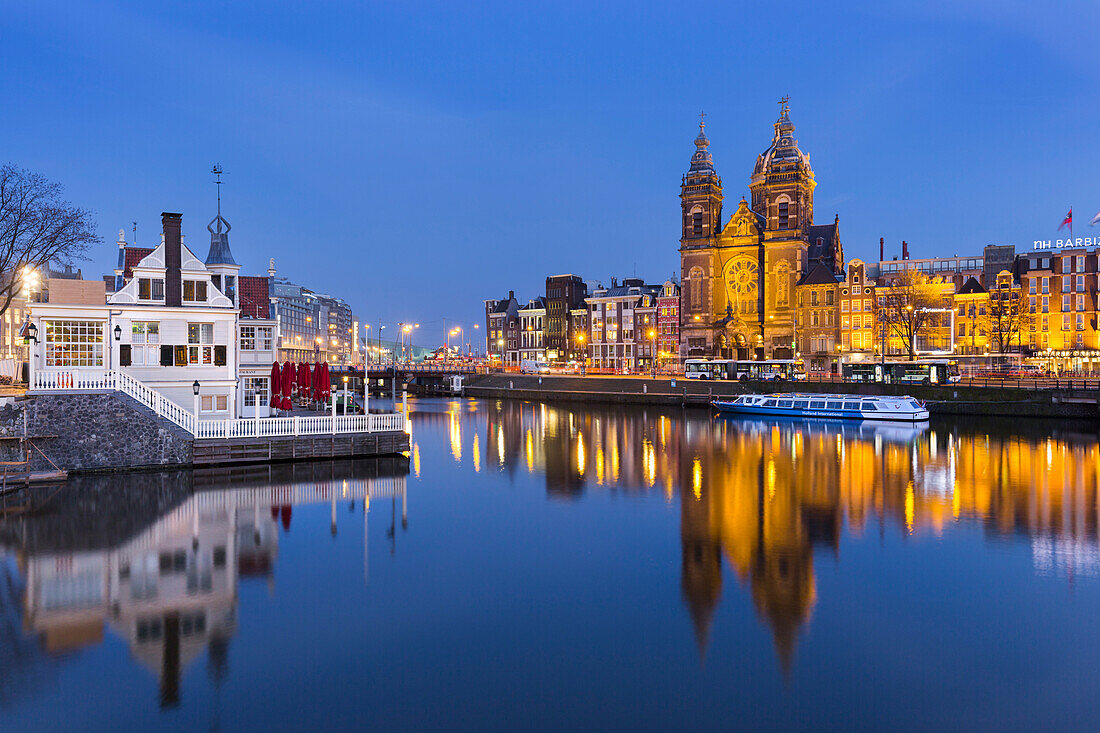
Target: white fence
{"points": [[268, 427]]}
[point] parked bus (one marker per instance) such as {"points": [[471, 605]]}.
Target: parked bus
{"points": [[925, 371], [768, 370]]}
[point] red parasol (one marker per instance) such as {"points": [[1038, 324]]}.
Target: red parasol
{"points": [[316, 385], [288, 386], [326, 386], [303, 380], [276, 386]]}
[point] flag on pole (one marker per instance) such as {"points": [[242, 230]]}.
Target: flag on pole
{"points": [[1068, 221], [1095, 220]]}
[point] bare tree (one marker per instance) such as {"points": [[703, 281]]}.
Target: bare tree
{"points": [[1009, 317], [37, 227], [907, 306]]}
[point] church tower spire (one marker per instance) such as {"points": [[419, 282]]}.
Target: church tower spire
{"points": [[701, 193], [782, 183]]}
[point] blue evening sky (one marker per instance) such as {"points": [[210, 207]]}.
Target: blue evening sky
{"points": [[416, 158]]}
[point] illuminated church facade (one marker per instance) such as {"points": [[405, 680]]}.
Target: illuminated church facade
{"points": [[740, 279]]}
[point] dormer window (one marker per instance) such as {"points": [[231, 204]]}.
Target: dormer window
{"points": [[194, 291], [150, 288]]}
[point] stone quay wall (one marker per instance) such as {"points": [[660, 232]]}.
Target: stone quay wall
{"points": [[103, 431], [941, 399]]}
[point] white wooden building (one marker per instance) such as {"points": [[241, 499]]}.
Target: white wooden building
{"points": [[172, 321]]}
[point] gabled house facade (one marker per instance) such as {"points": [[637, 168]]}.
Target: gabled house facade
{"points": [[172, 321]]}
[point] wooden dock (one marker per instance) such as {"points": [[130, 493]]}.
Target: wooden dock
{"points": [[288, 448]]}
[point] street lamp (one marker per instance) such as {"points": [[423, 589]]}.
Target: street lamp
{"points": [[653, 350], [118, 333], [195, 389]]}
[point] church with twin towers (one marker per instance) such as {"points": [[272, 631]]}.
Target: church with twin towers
{"points": [[740, 276]]}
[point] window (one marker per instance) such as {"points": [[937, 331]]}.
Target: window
{"points": [[74, 343], [829, 297], [194, 291], [1080, 283], [255, 387], [230, 288], [697, 223], [1046, 284], [867, 304], [813, 297], [843, 306], [264, 338], [784, 214], [1080, 322], [856, 290], [1065, 303], [1031, 284], [248, 338], [1046, 304], [1080, 263], [145, 343], [214, 403], [1065, 322], [150, 288], [200, 343], [1080, 302], [1066, 284], [1067, 261]]}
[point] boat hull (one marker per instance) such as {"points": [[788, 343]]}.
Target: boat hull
{"points": [[759, 410]]}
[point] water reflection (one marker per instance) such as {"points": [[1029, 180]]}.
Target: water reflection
{"points": [[763, 496], [158, 558]]}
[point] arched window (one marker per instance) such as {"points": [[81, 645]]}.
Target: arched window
{"points": [[696, 287], [784, 205], [697, 221]]}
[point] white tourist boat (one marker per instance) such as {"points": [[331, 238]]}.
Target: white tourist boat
{"points": [[831, 406]]}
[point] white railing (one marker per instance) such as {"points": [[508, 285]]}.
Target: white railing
{"points": [[268, 427]]}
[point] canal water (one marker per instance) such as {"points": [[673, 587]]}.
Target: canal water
{"points": [[563, 567]]}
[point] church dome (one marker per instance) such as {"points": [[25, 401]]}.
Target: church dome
{"points": [[783, 151], [701, 162]]}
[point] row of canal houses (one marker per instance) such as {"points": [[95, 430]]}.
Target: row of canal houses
{"points": [[172, 321]]}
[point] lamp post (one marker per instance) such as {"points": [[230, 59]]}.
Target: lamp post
{"points": [[195, 389], [345, 397], [652, 351]]}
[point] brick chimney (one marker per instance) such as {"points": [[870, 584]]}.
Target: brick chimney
{"points": [[173, 259], [881, 249], [904, 250]]}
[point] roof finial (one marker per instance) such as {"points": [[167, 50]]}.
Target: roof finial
{"points": [[702, 124], [784, 108]]}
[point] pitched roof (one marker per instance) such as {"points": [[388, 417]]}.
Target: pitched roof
{"points": [[827, 249], [819, 274], [134, 255], [254, 296], [971, 287]]}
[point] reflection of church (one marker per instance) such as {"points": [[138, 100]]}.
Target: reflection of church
{"points": [[739, 279]]}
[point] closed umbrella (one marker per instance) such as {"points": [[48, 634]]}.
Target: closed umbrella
{"points": [[303, 380], [276, 386], [288, 385], [317, 382], [326, 387]]}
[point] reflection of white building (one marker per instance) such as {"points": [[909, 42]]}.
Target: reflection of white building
{"points": [[172, 320], [171, 591]]}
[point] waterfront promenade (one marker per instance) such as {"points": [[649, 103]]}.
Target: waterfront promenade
{"points": [[1019, 399]]}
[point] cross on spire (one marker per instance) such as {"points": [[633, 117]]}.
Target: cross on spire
{"points": [[702, 114], [783, 108]]}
